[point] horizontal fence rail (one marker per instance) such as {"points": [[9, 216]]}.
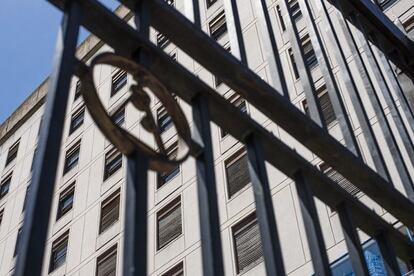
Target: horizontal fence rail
{"points": [[153, 68]]}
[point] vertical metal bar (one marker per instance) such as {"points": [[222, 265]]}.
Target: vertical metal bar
{"points": [[388, 255], [352, 240], [373, 97], [352, 89], [331, 85], [304, 71], [207, 193], [136, 206], [267, 38], [36, 220], [136, 195], [312, 225], [234, 30], [264, 207]]}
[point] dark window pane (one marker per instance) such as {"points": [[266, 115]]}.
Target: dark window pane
{"points": [[77, 120], [279, 15], [106, 263], [237, 173], [239, 103], [119, 116], [162, 41], [338, 178], [66, 201], [119, 80], [19, 234], [12, 154], [218, 26], [324, 101], [77, 91], [384, 4], [109, 212], [72, 157], [167, 176], [113, 162], [309, 53], [59, 250], [5, 185], [247, 243], [293, 62], [164, 119], [169, 223], [177, 270], [25, 197], [295, 10], [210, 2]]}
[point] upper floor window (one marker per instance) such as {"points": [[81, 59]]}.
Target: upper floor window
{"points": [[295, 10], [169, 224], [12, 154], [177, 270], [59, 252], [77, 120], [72, 157], [1, 215], [65, 201], [409, 24], [109, 211], [113, 162], [240, 104], [164, 119], [78, 93], [162, 41], [106, 263], [324, 101], [119, 116], [210, 3], [293, 62], [25, 197], [218, 26], [279, 15], [237, 172], [247, 244], [18, 239], [384, 4], [309, 53], [217, 80], [167, 176], [339, 179], [119, 80], [5, 185]]}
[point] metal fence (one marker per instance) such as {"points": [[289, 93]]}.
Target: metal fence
{"points": [[384, 46]]}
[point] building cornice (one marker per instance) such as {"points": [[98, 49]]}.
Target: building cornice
{"points": [[36, 99]]}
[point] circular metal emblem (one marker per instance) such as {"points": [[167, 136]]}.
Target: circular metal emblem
{"points": [[123, 140]]}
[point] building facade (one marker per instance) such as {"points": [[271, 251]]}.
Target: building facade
{"points": [[86, 223]]}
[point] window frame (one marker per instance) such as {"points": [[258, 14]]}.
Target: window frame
{"points": [[118, 81], [174, 270], [70, 152], [164, 212], [241, 153], [112, 155], [115, 196], [110, 252], [221, 30], [5, 180], [56, 244], [78, 114], [62, 195], [164, 178], [12, 152]]}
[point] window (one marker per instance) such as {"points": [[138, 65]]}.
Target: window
{"points": [[5, 185], [237, 172], [119, 116], [169, 223], [77, 120], [106, 263], [384, 4], [164, 119], [119, 80], [109, 211], [293, 62], [167, 176], [210, 3], [247, 244], [59, 250], [295, 10], [217, 80], [113, 162], [309, 53], [340, 180], [218, 26], [162, 41], [25, 197], [34, 158], [1, 215], [177, 270], [65, 201], [12, 154], [409, 24], [18, 238], [77, 91], [71, 157], [240, 104], [325, 104], [279, 14]]}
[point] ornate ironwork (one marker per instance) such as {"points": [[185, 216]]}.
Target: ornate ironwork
{"points": [[126, 142]]}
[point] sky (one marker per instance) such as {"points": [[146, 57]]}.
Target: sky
{"points": [[28, 30]]}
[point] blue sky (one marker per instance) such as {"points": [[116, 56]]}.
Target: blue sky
{"points": [[28, 29]]}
